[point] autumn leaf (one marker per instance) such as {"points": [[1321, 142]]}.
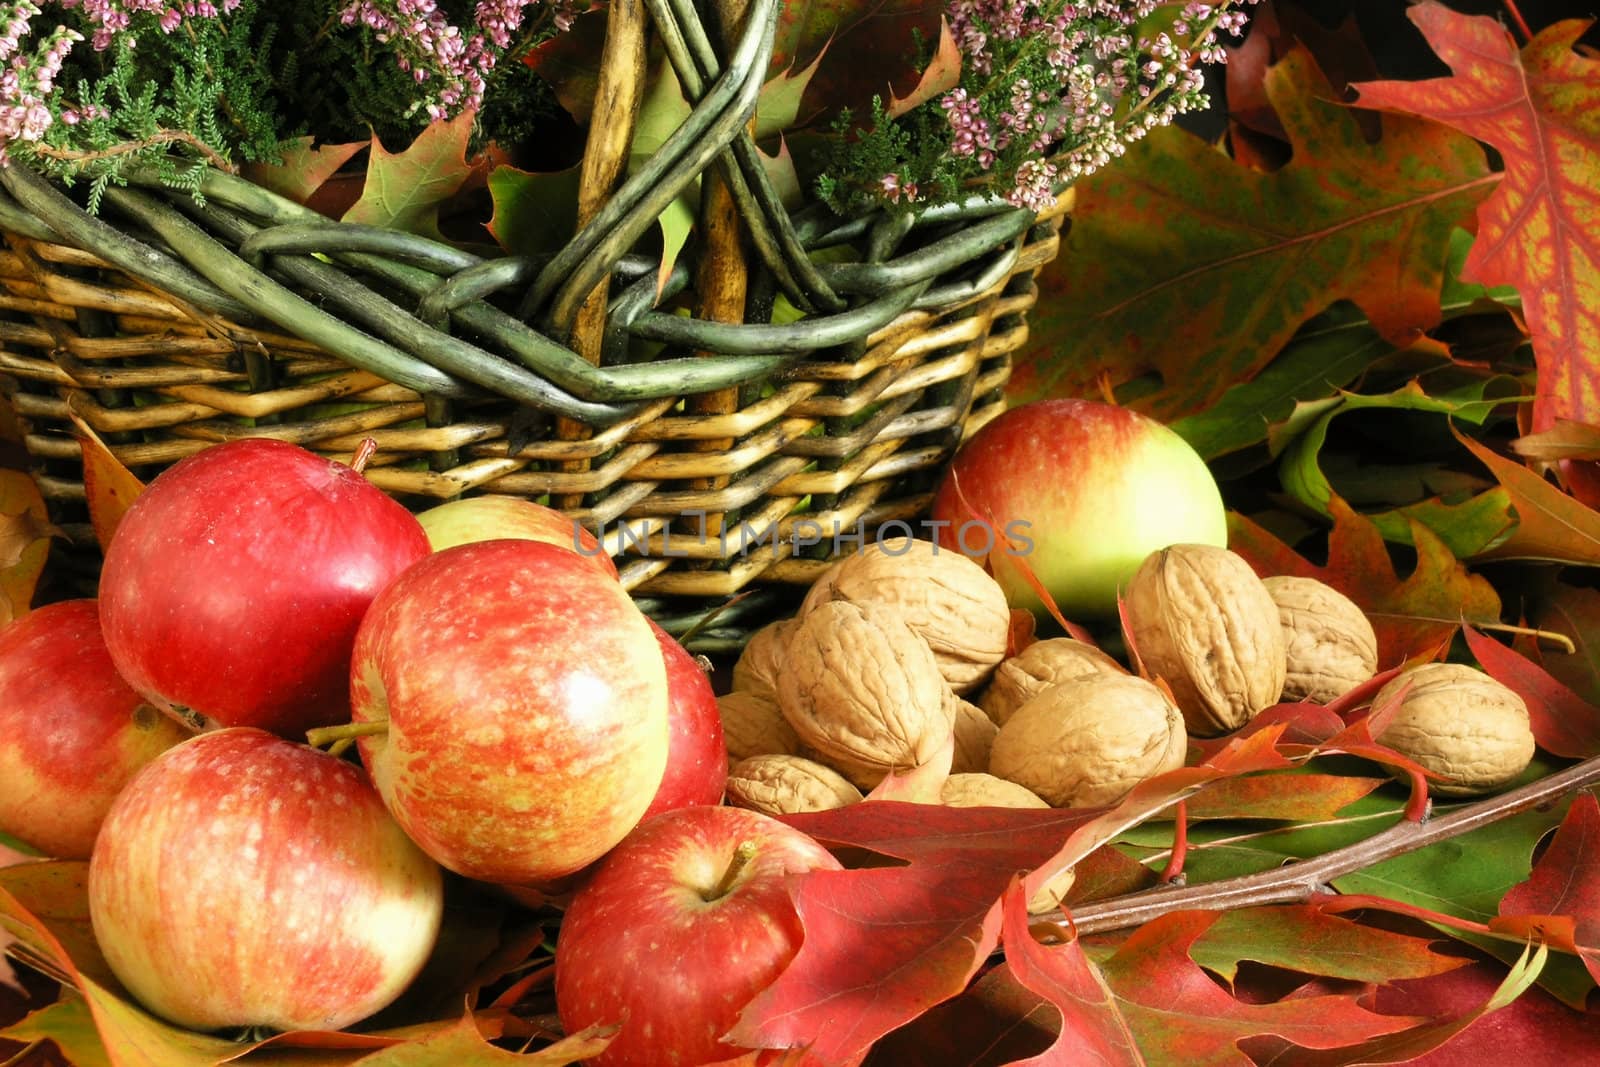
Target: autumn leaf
{"points": [[110, 487], [1092, 1029], [534, 213], [1183, 263], [1565, 439], [404, 190], [1564, 724], [1413, 616], [1285, 796], [1540, 108], [25, 533], [1559, 904], [303, 168], [869, 44], [1180, 1015], [1551, 525], [1301, 938], [1574, 612], [941, 75]]}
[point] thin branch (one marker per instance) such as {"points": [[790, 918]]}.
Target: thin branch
{"points": [[1521, 23], [1298, 882], [127, 148]]}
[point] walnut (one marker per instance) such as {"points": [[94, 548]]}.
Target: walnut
{"points": [[1329, 644], [1203, 621], [759, 661], [1087, 742], [950, 601], [861, 688], [974, 736], [785, 785], [752, 725], [1457, 721], [1043, 663], [979, 790]]}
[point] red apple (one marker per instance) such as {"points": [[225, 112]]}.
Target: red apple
{"points": [[243, 880], [522, 703], [75, 732], [233, 587], [488, 518], [681, 925], [697, 757], [1079, 492]]}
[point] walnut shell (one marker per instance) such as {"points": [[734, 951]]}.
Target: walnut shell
{"points": [[1203, 621], [859, 686], [1043, 663], [1457, 721], [1087, 742], [752, 725], [975, 733], [786, 785], [1330, 647], [756, 669], [980, 790], [951, 602]]}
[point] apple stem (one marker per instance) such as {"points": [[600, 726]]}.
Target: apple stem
{"points": [[364, 453], [741, 857], [340, 738]]}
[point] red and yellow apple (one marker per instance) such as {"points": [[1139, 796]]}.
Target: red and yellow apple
{"points": [[74, 731], [679, 928], [697, 755], [243, 880], [1078, 492], [519, 699]]}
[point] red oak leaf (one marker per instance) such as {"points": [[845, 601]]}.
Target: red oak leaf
{"points": [[1540, 108], [1560, 901], [1564, 724]]}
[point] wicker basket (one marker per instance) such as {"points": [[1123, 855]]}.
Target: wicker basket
{"points": [[739, 457]]}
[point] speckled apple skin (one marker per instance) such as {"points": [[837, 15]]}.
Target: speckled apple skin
{"points": [[640, 946], [526, 701], [244, 880], [74, 731], [1086, 490]]}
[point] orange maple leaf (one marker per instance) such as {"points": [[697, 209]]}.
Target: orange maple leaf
{"points": [[1540, 108]]}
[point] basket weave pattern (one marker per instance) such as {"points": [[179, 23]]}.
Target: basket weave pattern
{"points": [[166, 325]]}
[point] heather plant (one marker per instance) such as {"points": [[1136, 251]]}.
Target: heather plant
{"points": [[1018, 98]]}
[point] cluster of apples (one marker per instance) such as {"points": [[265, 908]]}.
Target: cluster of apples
{"points": [[515, 716]]}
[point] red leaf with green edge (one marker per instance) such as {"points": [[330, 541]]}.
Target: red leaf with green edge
{"points": [[303, 168], [1540, 108], [1092, 1028], [1560, 901], [1564, 724], [1305, 939], [1183, 263], [404, 190], [1479, 1007], [1180, 1015], [1551, 525], [871, 46], [1414, 616], [1289, 797]]}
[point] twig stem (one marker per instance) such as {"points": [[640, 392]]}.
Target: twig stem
{"points": [[1298, 882]]}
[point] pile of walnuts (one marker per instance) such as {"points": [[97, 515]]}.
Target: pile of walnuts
{"points": [[902, 646]]}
